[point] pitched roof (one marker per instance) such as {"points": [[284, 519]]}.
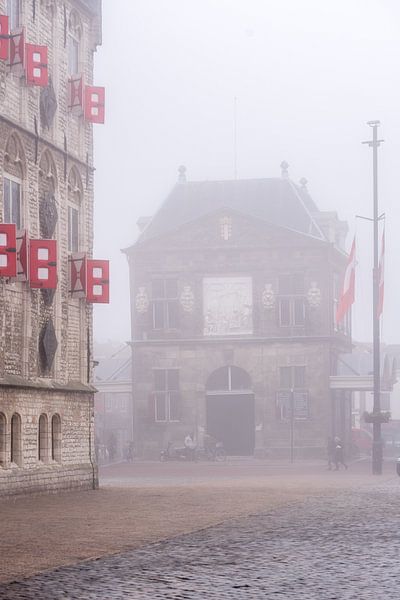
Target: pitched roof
{"points": [[276, 201]]}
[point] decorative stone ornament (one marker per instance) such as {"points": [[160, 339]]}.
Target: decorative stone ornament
{"points": [[268, 296], [187, 299], [48, 104], [314, 295], [142, 301], [48, 215], [225, 224], [47, 345]]}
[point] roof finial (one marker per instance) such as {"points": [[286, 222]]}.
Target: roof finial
{"points": [[284, 169], [182, 174], [303, 182]]}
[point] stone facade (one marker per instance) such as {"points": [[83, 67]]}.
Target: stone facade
{"points": [[48, 154], [230, 287]]}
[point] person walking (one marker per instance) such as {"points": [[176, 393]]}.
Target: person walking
{"points": [[339, 454], [330, 450]]}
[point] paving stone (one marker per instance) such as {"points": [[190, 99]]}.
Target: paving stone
{"points": [[339, 546]]}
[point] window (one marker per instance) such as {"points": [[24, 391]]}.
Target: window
{"points": [[292, 377], [167, 398], [73, 229], [43, 438], [3, 438], [292, 395], [56, 438], [291, 302], [13, 12], [165, 304], [16, 445], [73, 43], [12, 201], [228, 379]]}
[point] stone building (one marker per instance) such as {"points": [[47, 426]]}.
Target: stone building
{"points": [[47, 276], [234, 287]]}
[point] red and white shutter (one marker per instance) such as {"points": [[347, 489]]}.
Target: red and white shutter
{"points": [[381, 276], [37, 72], [17, 51], [98, 281], [77, 275], [4, 37], [43, 264], [75, 94], [8, 250], [94, 104], [348, 290]]}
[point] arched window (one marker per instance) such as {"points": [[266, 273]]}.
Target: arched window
{"points": [[16, 441], [43, 436], [56, 438], [73, 43], [14, 163], [228, 379], [75, 194], [3, 438]]}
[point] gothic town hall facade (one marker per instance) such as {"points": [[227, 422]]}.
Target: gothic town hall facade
{"points": [[48, 278], [234, 286]]}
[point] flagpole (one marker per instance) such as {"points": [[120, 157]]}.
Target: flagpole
{"points": [[377, 446]]}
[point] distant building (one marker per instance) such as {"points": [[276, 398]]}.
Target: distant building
{"points": [[113, 404], [234, 288]]}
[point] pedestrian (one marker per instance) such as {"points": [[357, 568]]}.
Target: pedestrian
{"points": [[339, 454], [190, 446], [330, 450]]}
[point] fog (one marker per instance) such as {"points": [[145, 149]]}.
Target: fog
{"points": [[307, 76]]}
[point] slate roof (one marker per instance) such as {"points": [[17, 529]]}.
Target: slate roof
{"points": [[277, 201]]}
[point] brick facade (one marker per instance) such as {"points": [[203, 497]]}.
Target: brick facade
{"points": [[46, 161]]}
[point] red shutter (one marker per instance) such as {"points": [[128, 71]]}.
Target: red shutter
{"points": [[22, 255], [94, 104], [8, 250], [43, 264], [75, 94], [17, 47], [4, 38], [98, 284], [77, 275], [37, 72]]}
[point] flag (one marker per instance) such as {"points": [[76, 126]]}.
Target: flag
{"points": [[381, 271], [348, 289]]}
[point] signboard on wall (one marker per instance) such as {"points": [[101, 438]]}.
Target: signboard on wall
{"points": [[227, 306]]}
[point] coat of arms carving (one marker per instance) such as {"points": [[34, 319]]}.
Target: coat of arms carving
{"points": [[142, 301], [268, 296], [314, 295], [187, 299]]}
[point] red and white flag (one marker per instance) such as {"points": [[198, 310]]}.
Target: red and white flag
{"points": [[348, 290], [381, 276]]}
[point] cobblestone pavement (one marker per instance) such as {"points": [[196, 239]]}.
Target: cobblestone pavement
{"points": [[343, 545]]}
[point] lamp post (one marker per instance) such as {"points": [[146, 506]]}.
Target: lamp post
{"points": [[376, 413]]}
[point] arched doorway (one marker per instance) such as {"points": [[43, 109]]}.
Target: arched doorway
{"points": [[230, 410]]}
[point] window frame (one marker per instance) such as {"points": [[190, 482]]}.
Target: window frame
{"points": [[13, 10], [16, 180], [73, 235], [165, 301], [165, 396]]}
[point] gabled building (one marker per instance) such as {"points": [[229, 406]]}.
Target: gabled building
{"points": [[234, 286]]}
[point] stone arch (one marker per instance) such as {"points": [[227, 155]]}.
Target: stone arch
{"points": [[14, 156], [56, 437], [75, 24], [229, 379], [3, 439], [16, 439], [48, 178], [75, 186], [43, 436]]}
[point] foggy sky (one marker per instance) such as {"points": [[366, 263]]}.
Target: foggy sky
{"points": [[307, 75]]}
